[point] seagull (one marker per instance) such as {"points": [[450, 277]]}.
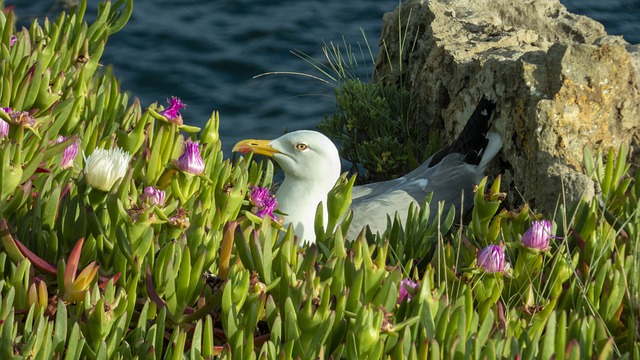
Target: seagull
{"points": [[311, 166]]}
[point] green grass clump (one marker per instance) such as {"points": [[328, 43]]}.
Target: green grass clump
{"points": [[376, 126], [89, 273]]}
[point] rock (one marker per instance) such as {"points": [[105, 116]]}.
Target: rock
{"points": [[560, 81]]}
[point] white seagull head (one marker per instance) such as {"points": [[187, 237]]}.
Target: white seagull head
{"points": [[311, 166]]}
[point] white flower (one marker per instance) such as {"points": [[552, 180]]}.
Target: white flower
{"points": [[104, 167]]}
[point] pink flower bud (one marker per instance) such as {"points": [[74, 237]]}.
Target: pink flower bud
{"points": [[153, 195], [538, 236], [491, 259], [190, 160], [407, 290], [4, 128], [69, 154]]}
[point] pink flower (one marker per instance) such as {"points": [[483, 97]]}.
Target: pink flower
{"points": [[491, 259], [69, 154], [269, 206], [259, 196], [538, 236], [153, 195], [264, 203], [190, 160], [407, 290], [4, 128], [173, 112]]}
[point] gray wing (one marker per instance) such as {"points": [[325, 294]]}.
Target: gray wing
{"points": [[451, 180]]}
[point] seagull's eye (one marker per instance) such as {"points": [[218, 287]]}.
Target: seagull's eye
{"points": [[302, 146]]}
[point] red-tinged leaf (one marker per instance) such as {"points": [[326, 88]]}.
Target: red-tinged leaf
{"points": [[225, 248], [189, 310], [217, 350], [219, 333], [40, 170], [261, 339], [72, 264], [37, 261], [502, 320], [104, 281], [151, 290], [65, 191]]}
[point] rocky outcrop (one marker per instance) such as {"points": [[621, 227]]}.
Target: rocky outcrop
{"points": [[560, 81]]}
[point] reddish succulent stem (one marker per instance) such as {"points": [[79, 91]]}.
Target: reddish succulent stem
{"points": [[37, 261]]}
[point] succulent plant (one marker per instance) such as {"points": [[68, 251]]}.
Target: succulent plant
{"points": [[165, 262]]}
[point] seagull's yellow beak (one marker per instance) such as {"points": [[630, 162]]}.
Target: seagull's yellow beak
{"points": [[261, 147]]}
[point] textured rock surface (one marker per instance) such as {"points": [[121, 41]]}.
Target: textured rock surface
{"points": [[561, 84]]}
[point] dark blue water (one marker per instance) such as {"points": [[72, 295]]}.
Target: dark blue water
{"points": [[209, 52]]}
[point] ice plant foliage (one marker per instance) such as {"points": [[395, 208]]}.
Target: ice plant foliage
{"points": [[104, 167], [173, 112], [69, 154], [264, 203], [491, 259], [191, 160], [407, 289], [153, 196], [538, 236], [227, 286]]}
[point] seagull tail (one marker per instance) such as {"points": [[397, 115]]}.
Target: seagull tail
{"points": [[473, 139], [494, 145]]}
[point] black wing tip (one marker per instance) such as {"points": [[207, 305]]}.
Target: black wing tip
{"points": [[485, 107], [473, 138]]}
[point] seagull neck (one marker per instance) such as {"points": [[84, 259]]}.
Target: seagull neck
{"points": [[294, 194], [303, 188]]}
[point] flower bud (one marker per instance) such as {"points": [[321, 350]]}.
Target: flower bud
{"points": [[190, 160], [38, 293], [69, 154], [104, 167], [491, 259], [538, 236], [153, 195], [4, 128], [407, 289]]}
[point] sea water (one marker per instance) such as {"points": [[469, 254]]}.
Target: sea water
{"points": [[211, 54]]}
